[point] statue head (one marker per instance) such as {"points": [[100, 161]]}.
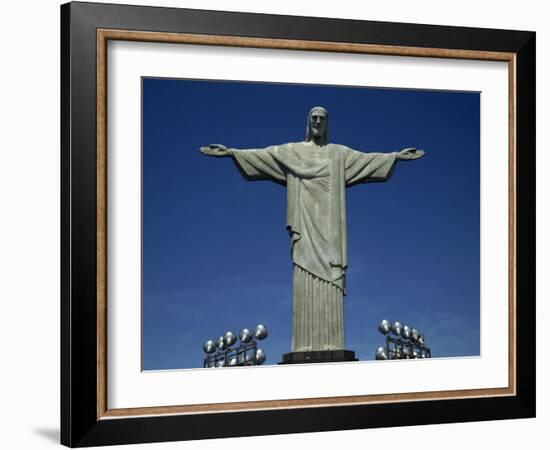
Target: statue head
{"points": [[317, 126]]}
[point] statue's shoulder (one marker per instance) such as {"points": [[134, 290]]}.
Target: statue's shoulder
{"points": [[294, 144], [338, 149], [278, 149], [291, 147]]}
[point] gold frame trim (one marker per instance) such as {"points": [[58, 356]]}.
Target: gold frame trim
{"points": [[103, 36]]}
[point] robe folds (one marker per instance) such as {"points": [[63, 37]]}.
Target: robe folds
{"points": [[316, 178]]}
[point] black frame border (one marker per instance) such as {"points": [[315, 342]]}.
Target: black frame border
{"points": [[79, 423]]}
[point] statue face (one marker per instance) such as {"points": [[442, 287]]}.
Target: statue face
{"points": [[318, 123]]}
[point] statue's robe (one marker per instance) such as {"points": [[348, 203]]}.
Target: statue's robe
{"points": [[316, 178]]}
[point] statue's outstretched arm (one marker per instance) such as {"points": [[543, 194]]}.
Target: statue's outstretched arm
{"points": [[408, 154], [361, 167], [254, 164], [217, 150]]}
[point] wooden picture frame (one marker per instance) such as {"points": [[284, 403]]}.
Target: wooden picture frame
{"points": [[86, 418]]}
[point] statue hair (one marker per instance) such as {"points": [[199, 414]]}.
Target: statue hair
{"points": [[324, 137]]}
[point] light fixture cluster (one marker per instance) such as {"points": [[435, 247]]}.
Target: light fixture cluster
{"points": [[402, 342], [222, 352]]}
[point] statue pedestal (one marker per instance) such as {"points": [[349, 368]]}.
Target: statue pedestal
{"points": [[319, 356]]}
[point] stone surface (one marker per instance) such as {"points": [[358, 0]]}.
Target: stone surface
{"points": [[316, 174], [318, 357]]}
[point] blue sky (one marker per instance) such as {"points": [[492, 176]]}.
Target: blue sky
{"points": [[216, 255]]}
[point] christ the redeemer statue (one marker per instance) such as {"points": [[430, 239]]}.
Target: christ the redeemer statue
{"points": [[316, 174]]}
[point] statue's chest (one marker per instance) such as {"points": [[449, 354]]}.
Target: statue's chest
{"points": [[317, 160]]}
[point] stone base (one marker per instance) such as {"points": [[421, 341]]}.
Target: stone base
{"points": [[319, 356]]}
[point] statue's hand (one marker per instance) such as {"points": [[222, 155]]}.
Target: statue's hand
{"points": [[409, 154], [215, 150]]}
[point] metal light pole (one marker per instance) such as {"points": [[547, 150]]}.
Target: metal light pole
{"points": [[406, 342], [220, 353]]}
